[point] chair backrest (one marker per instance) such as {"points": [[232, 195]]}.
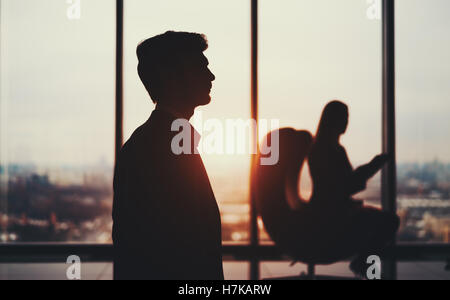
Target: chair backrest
{"points": [[276, 186]]}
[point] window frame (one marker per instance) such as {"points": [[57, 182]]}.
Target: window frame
{"points": [[255, 253]]}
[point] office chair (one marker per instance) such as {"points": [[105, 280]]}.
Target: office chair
{"points": [[299, 230]]}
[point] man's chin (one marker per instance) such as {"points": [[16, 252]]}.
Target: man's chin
{"points": [[206, 100]]}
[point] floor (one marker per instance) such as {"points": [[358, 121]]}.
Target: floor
{"points": [[233, 270], [405, 271]]}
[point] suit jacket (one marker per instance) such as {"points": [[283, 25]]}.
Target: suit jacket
{"points": [[166, 219]]}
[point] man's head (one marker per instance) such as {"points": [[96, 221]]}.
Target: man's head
{"points": [[173, 69]]}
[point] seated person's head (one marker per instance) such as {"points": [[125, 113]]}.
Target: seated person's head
{"points": [[174, 70], [334, 120]]}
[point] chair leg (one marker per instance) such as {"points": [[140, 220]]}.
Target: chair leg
{"points": [[311, 271]]}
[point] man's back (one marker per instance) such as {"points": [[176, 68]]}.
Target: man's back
{"points": [[166, 220]]}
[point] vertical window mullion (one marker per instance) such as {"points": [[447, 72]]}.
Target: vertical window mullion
{"points": [[389, 174], [119, 78], [254, 234]]}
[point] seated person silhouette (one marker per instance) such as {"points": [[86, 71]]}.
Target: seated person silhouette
{"points": [[332, 226], [305, 233], [166, 220], [368, 230]]}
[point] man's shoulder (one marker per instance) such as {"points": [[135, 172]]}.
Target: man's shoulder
{"points": [[151, 137]]}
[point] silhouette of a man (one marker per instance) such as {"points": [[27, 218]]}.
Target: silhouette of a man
{"points": [[166, 220]]}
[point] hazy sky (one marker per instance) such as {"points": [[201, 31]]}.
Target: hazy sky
{"points": [[57, 75]]}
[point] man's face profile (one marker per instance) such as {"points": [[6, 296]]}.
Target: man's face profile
{"points": [[197, 79]]}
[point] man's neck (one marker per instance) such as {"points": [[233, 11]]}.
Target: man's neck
{"points": [[178, 112]]}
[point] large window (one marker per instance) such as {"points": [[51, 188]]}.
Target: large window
{"points": [[423, 123], [57, 109], [227, 27], [57, 120]]}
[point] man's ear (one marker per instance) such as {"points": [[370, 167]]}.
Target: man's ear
{"points": [[169, 82]]}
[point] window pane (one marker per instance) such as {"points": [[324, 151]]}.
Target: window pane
{"points": [[285, 269], [94, 271], [313, 52], [422, 271], [226, 25], [57, 120], [423, 124], [406, 270], [54, 271]]}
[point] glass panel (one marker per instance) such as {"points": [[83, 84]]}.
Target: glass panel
{"points": [[236, 270], [54, 271], [423, 123], [313, 52], [226, 25], [406, 270], [422, 271], [57, 120], [273, 270], [94, 271]]}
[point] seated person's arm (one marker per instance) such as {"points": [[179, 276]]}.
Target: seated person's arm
{"points": [[364, 173], [355, 183], [369, 170]]}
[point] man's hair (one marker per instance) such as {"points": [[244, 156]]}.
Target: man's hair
{"points": [[164, 54]]}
